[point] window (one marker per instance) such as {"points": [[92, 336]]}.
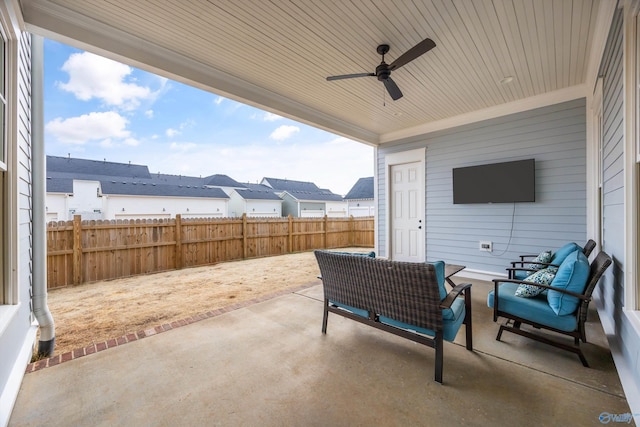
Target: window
{"points": [[4, 289], [632, 154]]}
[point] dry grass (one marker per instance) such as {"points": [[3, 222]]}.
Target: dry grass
{"points": [[99, 311]]}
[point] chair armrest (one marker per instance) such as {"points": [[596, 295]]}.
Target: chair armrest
{"points": [[497, 282], [522, 263], [512, 269], [522, 257], [453, 294]]}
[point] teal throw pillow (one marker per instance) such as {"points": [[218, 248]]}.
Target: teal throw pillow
{"points": [[563, 252], [572, 276], [544, 277], [544, 256]]}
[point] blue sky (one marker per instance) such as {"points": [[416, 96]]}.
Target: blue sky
{"points": [[95, 108]]}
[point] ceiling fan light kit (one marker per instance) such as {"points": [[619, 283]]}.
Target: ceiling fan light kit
{"points": [[383, 71]]}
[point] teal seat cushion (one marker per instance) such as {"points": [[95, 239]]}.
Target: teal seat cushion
{"points": [[521, 274], [450, 326], [536, 309], [572, 275]]}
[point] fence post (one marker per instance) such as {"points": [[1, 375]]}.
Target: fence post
{"points": [[178, 234], [326, 232], [352, 226], [290, 233], [77, 250], [244, 235]]}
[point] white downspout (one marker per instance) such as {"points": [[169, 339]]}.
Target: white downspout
{"points": [[39, 179]]}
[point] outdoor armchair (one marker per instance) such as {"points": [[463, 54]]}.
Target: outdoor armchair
{"points": [[529, 263], [561, 306]]}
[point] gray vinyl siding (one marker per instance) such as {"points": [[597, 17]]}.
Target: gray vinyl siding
{"points": [[610, 292], [24, 165], [555, 136]]}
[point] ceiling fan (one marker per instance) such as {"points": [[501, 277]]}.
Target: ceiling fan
{"points": [[383, 71]]}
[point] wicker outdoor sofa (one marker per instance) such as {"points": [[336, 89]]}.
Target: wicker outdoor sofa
{"points": [[406, 299]]}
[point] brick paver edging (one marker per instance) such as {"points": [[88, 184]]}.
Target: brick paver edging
{"points": [[115, 342]]}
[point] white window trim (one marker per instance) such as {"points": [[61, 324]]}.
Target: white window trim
{"points": [[8, 26], [631, 152]]}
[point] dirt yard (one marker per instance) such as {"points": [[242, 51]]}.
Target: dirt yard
{"points": [[99, 311]]}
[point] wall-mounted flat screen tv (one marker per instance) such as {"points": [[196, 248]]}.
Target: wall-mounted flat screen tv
{"points": [[506, 182]]}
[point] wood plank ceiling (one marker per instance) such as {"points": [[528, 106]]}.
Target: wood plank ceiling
{"points": [[289, 48]]}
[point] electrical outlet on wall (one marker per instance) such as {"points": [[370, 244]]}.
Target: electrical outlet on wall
{"points": [[486, 246]]}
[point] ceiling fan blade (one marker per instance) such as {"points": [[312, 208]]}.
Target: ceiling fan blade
{"points": [[350, 76], [393, 89], [421, 48]]}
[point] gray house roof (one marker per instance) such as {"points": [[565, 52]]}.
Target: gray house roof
{"points": [[128, 179], [362, 189], [152, 189], [249, 194], [257, 187], [290, 185], [316, 196], [219, 180], [166, 179], [95, 167], [301, 190], [59, 185]]}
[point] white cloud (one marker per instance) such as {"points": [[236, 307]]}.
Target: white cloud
{"points": [[218, 100], [88, 127], [132, 142], [149, 114], [182, 146], [92, 76], [270, 117], [172, 132], [284, 132]]}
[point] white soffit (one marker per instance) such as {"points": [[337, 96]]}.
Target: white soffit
{"points": [[277, 55]]}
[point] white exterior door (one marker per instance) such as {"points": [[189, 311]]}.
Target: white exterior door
{"points": [[407, 212]]}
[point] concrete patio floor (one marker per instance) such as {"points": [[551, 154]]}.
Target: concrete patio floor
{"points": [[268, 364]]}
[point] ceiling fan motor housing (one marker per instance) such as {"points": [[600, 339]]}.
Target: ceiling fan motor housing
{"points": [[383, 72]]}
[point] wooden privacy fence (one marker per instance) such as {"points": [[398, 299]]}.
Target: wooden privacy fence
{"points": [[86, 251]]}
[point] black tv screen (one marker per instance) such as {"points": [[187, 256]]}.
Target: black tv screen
{"points": [[506, 182]]}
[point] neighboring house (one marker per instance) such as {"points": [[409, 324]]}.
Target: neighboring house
{"points": [[360, 199], [256, 201], [306, 199], [561, 89], [132, 200], [108, 190], [224, 182]]}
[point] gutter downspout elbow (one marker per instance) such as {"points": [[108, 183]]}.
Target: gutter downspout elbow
{"points": [[39, 180]]}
